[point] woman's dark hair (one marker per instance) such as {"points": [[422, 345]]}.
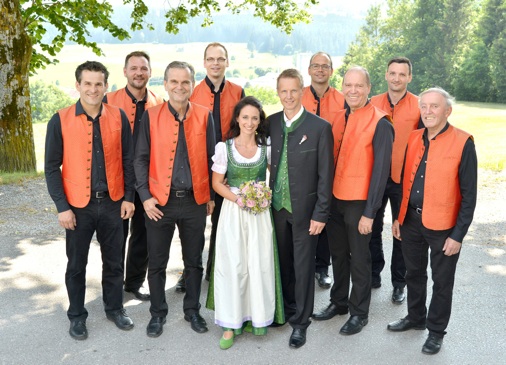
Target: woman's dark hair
{"points": [[263, 128]]}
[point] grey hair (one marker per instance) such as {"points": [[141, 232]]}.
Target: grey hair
{"points": [[450, 100]]}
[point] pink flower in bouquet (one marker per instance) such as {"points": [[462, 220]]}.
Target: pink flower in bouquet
{"points": [[264, 203], [240, 202], [250, 203]]}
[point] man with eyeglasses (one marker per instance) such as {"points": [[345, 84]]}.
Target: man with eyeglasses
{"points": [[220, 97], [325, 101]]}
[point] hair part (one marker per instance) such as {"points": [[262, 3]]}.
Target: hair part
{"points": [[359, 69], [215, 44], [262, 129], [450, 100], [181, 65], [291, 73], [138, 54], [321, 53], [401, 60], [93, 66]]}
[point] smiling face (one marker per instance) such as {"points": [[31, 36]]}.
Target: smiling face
{"points": [[398, 77], [215, 62], [178, 85], [356, 88], [91, 89], [137, 72], [434, 111], [320, 69], [290, 95], [248, 120]]}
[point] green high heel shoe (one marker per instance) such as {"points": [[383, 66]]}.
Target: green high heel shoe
{"points": [[226, 343]]}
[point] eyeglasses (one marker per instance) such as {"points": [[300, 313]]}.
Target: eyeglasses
{"points": [[316, 66], [214, 60]]}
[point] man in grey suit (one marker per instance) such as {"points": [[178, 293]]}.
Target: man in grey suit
{"points": [[301, 181]]}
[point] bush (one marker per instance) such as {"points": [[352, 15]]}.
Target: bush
{"points": [[265, 95], [45, 100]]}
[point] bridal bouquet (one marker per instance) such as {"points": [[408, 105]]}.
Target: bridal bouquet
{"points": [[254, 196]]}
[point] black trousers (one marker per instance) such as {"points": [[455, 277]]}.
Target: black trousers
{"points": [[323, 253], [297, 250], [218, 202], [136, 265], [350, 257], [190, 219], [393, 192], [416, 241], [103, 217]]}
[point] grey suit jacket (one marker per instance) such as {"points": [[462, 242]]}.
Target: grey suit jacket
{"points": [[310, 166]]}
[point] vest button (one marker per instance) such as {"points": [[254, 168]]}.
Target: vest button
{"points": [[169, 176]]}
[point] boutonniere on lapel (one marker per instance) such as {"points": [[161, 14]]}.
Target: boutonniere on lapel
{"points": [[304, 137]]}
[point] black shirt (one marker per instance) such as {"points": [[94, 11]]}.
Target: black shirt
{"points": [[216, 107], [317, 98], [54, 158], [468, 177]]}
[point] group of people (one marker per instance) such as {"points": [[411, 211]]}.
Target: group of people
{"points": [[130, 162]]}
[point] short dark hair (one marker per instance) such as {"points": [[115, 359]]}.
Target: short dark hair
{"points": [[321, 53], [262, 129], [215, 44], [291, 73], [181, 65], [401, 60], [138, 54], [91, 66]]}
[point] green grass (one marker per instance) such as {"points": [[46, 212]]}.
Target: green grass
{"points": [[18, 177]]}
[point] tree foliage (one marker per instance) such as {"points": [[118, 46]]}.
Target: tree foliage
{"points": [[267, 96], [45, 100]]}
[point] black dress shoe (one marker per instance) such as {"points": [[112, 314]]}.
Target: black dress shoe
{"points": [[298, 338], [404, 324], [181, 284], [197, 322], [376, 282], [78, 330], [353, 325], [323, 280], [140, 293], [120, 319], [155, 326], [329, 312], [398, 295], [432, 345]]}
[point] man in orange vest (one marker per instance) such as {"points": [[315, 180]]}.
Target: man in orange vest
{"points": [[134, 98], [361, 173], [439, 188], [402, 107], [173, 158], [93, 191], [325, 101], [219, 96]]}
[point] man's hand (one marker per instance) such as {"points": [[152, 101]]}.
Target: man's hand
{"points": [[151, 210], [210, 207], [396, 230], [365, 225], [451, 247], [67, 219], [315, 228], [127, 209]]}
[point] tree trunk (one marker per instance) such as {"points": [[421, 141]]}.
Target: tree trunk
{"points": [[17, 149]]}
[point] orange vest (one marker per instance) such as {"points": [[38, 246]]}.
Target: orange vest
{"points": [[405, 116], [77, 134], [230, 96], [122, 100], [442, 197], [164, 130], [356, 157], [330, 103]]}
